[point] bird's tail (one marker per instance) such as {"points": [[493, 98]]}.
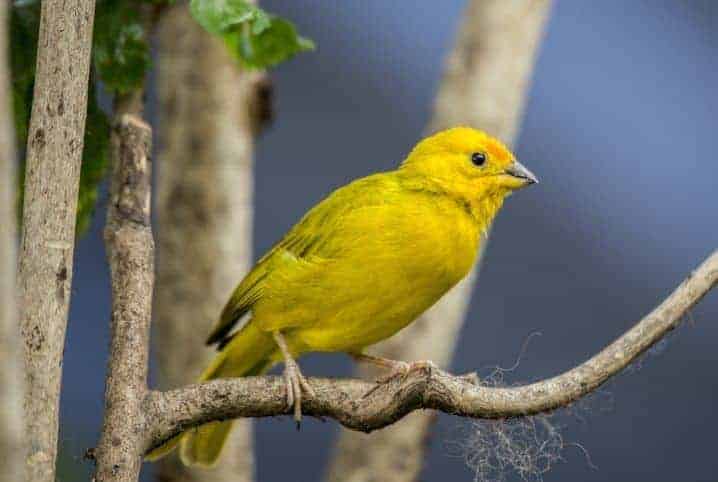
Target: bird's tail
{"points": [[249, 353]]}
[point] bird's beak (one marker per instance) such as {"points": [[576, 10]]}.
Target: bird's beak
{"points": [[517, 170]]}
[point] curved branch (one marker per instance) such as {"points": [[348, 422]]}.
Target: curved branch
{"points": [[343, 400]]}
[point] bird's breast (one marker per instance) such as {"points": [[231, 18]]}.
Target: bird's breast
{"points": [[406, 263]]}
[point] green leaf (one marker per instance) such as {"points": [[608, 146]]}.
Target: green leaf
{"points": [[219, 16], [121, 54], [274, 45], [256, 38], [262, 21]]}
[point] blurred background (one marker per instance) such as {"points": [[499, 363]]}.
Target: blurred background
{"points": [[620, 127]]}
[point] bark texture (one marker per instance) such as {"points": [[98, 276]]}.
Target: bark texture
{"points": [[209, 112], [130, 252], [11, 388], [54, 153], [485, 84], [348, 401]]}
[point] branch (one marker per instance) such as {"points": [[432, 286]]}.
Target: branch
{"points": [[54, 152], [130, 252], [175, 411]]}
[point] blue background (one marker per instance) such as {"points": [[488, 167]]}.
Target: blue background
{"points": [[621, 129]]}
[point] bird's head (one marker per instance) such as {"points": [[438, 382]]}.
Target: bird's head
{"points": [[469, 163]]}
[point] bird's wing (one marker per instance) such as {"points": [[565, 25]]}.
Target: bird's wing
{"points": [[306, 239]]}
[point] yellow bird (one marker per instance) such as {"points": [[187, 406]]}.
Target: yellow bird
{"points": [[358, 267]]}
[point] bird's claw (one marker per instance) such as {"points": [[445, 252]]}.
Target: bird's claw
{"points": [[296, 383], [400, 370]]}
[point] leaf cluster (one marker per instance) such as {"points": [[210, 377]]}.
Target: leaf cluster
{"points": [[120, 50], [257, 39], [121, 58]]}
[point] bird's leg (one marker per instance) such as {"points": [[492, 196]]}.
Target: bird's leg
{"points": [[293, 377], [397, 368]]}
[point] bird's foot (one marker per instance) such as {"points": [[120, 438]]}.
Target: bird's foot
{"points": [[399, 370], [296, 384], [293, 378]]}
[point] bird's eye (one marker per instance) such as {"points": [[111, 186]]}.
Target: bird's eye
{"points": [[478, 158]]}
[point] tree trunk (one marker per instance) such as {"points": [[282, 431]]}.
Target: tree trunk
{"points": [[11, 447], [54, 152], [485, 85], [210, 110]]}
